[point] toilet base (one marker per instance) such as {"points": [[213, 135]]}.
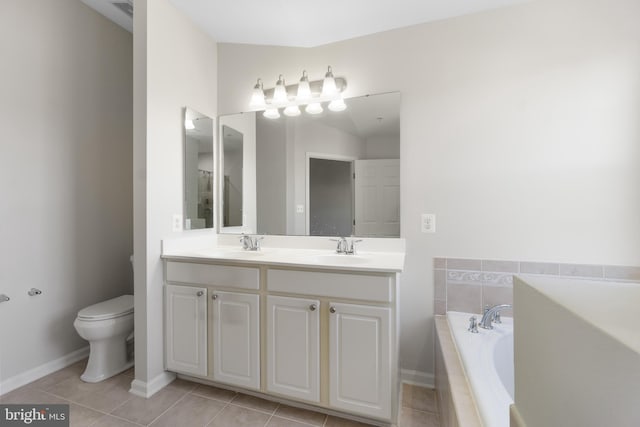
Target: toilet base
{"points": [[106, 359]]}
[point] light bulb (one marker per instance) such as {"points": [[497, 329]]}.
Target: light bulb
{"points": [[292, 111], [257, 97], [329, 88], [337, 105], [280, 92], [314, 108], [271, 113], [304, 90], [188, 124]]}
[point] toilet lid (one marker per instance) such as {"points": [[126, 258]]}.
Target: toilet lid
{"points": [[109, 309]]}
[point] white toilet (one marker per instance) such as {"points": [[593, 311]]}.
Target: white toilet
{"points": [[106, 326]]}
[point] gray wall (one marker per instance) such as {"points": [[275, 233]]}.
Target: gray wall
{"points": [[271, 175], [519, 130], [65, 174]]}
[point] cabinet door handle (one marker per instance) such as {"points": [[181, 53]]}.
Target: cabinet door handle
{"points": [[200, 293], [214, 296], [332, 309], [313, 307]]}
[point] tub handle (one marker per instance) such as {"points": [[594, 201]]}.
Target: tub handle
{"points": [[473, 325]]}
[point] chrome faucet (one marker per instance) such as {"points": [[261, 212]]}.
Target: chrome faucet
{"points": [[250, 243], [346, 247], [492, 314]]}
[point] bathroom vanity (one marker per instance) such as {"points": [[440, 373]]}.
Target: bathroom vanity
{"points": [[302, 325]]}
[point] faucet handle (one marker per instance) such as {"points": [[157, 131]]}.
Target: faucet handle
{"points": [[352, 246], [496, 317], [341, 243], [473, 325]]}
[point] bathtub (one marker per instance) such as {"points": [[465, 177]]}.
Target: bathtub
{"points": [[487, 359]]}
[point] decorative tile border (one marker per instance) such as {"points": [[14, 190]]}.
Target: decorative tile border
{"points": [[469, 284]]}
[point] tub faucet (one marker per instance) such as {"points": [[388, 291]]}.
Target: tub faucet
{"points": [[490, 314]]}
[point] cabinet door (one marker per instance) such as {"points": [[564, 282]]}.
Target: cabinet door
{"points": [[236, 339], [359, 357], [293, 347], [186, 329]]}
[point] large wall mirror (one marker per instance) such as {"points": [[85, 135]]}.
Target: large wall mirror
{"points": [[198, 170], [330, 174]]}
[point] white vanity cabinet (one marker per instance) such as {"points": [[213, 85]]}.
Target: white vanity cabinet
{"points": [[360, 359], [293, 347], [186, 329], [322, 337], [223, 321], [236, 339]]}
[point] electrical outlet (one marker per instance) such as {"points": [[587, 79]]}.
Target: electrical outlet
{"points": [[299, 208], [176, 225], [428, 223]]}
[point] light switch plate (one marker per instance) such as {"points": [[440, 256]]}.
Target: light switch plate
{"points": [[176, 224], [428, 223]]}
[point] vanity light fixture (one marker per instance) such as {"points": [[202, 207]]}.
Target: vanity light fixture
{"points": [[292, 111], [304, 90], [289, 99], [337, 105], [280, 92], [329, 88], [271, 113], [257, 97], [314, 108]]}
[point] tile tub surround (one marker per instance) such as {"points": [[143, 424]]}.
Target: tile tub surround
{"points": [[468, 285], [184, 403]]}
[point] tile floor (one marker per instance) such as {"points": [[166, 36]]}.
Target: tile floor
{"points": [[185, 404]]}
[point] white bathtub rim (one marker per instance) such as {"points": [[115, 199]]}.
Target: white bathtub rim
{"points": [[476, 351]]}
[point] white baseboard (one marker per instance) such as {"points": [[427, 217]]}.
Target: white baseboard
{"points": [[43, 370], [423, 379], [149, 388]]}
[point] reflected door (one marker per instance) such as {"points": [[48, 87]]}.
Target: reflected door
{"points": [[330, 197], [377, 207]]}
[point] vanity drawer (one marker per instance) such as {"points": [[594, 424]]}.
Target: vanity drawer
{"points": [[335, 285], [214, 275]]}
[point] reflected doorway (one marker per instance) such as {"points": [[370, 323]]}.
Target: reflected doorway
{"points": [[331, 197]]}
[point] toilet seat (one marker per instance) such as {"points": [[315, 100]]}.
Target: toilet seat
{"points": [[110, 309]]}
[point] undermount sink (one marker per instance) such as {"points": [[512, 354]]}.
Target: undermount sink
{"points": [[340, 259]]}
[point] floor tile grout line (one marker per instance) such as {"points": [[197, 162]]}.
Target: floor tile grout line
{"points": [[218, 413], [166, 410]]}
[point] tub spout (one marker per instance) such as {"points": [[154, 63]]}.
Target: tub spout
{"points": [[489, 315]]}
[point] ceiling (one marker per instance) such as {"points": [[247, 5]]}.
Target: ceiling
{"points": [[306, 23]]}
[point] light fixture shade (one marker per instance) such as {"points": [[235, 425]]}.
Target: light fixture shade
{"points": [[329, 88], [188, 124], [280, 92], [271, 113], [337, 105], [292, 111], [314, 108], [304, 90], [257, 97]]}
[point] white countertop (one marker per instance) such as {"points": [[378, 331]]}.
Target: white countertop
{"points": [[390, 262], [383, 255]]}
